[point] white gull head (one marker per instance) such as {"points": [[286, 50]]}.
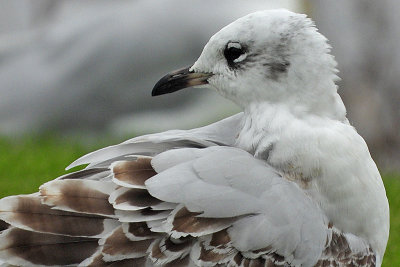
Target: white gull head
{"points": [[276, 57]]}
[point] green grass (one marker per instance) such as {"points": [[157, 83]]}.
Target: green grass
{"points": [[24, 165], [27, 163], [392, 255]]}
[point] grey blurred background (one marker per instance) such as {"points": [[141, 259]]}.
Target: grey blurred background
{"points": [[89, 66], [365, 37]]}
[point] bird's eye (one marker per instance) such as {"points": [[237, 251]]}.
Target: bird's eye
{"points": [[234, 53]]}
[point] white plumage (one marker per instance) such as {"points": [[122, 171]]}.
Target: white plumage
{"points": [[288, 182]]}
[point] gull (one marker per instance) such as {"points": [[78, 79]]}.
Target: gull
{"points": [[287, 182]]}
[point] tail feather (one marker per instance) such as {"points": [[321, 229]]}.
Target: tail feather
{"points": [[26, 248], [83, 196], [27, 212]]}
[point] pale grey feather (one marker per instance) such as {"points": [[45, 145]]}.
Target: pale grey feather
{"points": [[222, 132]]}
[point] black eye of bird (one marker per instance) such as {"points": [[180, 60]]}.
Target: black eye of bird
{"points": [[233, 51]]}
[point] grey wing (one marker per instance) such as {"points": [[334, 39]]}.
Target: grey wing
{"points": [[179, 204], [223, 132]]}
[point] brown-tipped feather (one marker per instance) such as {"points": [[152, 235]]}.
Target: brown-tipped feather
{"points": [[188, 222], [137, 198], [167, 250], [138, 231], [118, 247], [75, 195], [213, 256], [177, 245], [220, 239], [29, 213], [44, 249], [134, 172]]}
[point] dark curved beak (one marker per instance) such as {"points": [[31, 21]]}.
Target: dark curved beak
{"points": [[178, 80]]}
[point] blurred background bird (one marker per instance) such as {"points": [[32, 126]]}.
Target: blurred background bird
{"points": [[77, 75]]}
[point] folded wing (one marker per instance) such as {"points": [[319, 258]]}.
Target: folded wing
{"points": [[181, 198]]}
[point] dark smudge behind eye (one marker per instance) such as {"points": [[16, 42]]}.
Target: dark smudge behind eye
{"points": [[276, 69]]}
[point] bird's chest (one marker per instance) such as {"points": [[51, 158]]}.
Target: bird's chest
{"points": [[255, 142], [265, 146], [256, 136]]}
